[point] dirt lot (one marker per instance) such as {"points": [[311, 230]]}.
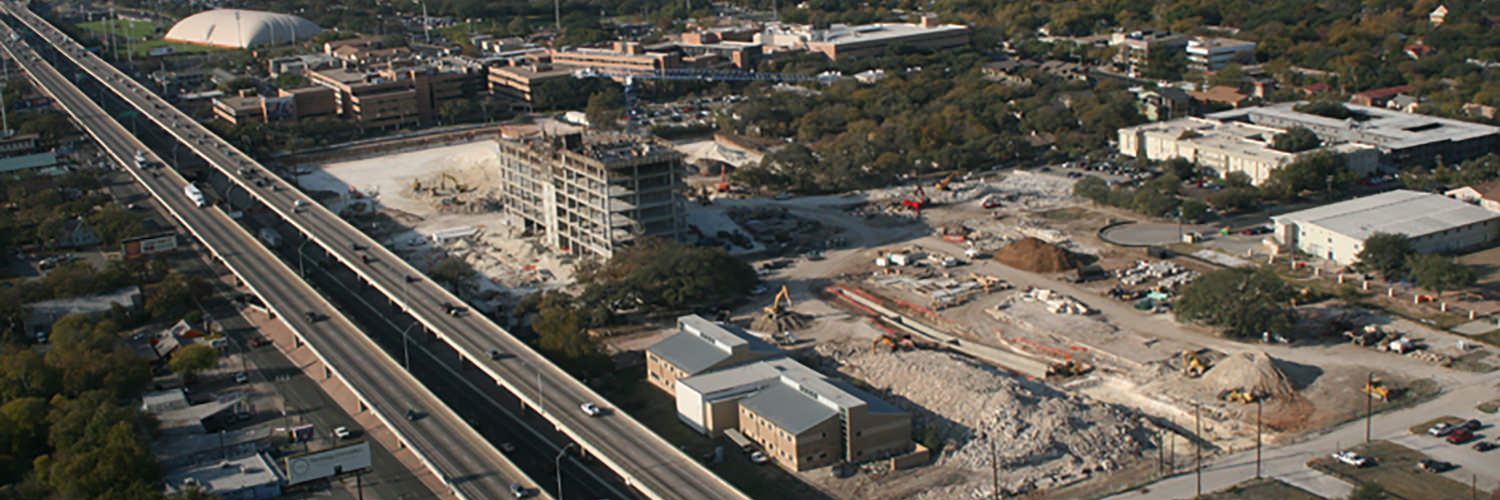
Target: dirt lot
{"points": [[1262, 489]]}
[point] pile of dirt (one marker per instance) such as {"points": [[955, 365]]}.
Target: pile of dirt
{"points": [[1252, 371], [787, 321], [1032, 254]]}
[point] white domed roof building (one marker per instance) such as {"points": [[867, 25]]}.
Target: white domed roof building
{"points": [[240, 29]]}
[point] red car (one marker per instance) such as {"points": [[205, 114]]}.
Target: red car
{"points": [[1460, 436]]}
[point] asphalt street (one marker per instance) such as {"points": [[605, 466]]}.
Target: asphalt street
{"points": [[463, 458], [628, 447]]}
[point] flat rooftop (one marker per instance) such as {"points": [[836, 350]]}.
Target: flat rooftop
{"points": [[843, 34], [1401, 211], [1380, 127], [227, 476], [1239, 137]]}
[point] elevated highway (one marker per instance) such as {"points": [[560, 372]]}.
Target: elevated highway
{"points": [[462, 459], [643, 459]]}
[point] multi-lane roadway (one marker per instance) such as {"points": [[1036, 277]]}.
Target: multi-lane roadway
{"points": [[643, 459], [465, 461]]}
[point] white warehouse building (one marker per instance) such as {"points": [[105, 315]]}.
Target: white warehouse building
{"points": [[1434, 223]]}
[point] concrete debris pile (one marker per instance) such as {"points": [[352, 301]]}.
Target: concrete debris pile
{"points": [[469, 188], [1032, 254], [1056, 303], [1045, 438], [775, 323], [944, 291], [1168, 274], [1253, 372], [1026, 190]]}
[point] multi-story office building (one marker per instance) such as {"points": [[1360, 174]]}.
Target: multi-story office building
{"points": [[1213, 54], [592, 192], [1136, 47], [629, 56], [392, 97]]}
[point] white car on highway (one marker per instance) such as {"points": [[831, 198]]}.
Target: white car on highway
{"points": [[591, 409]]}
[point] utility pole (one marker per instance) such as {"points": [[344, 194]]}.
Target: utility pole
{"points": [[1257, 439], [995, 468], [1198, 447], [557, 17], [1369, 403]]}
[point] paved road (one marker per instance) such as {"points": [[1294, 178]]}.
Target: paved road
{"points": [[646, 460], [474, 469], [303, 400]]}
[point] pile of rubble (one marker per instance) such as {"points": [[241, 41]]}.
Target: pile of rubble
{"points": [[1168, 274], [1042, 437], [1056, 303], [1391, 341]]}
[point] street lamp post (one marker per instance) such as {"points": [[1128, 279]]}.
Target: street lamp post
{"points": [[300, 271], [557, 465], [405, 340]]}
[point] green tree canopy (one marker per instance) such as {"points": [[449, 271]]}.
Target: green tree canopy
{"points": [[189, 361], [605, 108], [1329, 109], [1386, 253], [1242, 301], [1439, 273], [1295, 140], [1312, 172], [665, 275]]}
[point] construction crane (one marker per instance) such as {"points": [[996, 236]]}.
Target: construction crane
{"points": [[628, 77]]}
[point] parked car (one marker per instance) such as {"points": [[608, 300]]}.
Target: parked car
{"points": [[1472, 424], [1351, 458], [759, 457], [1484, 446], [1460, 436], [1431, 465], [1440, 429], [591, 409]]}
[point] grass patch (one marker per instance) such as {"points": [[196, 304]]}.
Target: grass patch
{"points": [[120, 27], [1258, 489], [1490, 406], [1422, 427], [1473, 362], [1395, 470], [142, 49]]}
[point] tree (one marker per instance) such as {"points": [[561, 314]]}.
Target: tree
{"points": [[1386, 253], [1228, 76], [1193, 211], [1237, 179], [1234, 198], [1295, 140], [1180, 167], [455, 110], [1313, 171], [453, 271], [1092, 188], [291, 81], [190, 360], [1439, 273], [1244, 302], [605, 108], [234, 86], [1329, 109]]}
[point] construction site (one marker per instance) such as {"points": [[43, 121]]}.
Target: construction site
{"points": [[1041, 354], [1031, 352]]}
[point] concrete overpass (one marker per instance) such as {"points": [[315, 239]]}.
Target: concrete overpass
{"points": [[646, 461], [460, 460]]}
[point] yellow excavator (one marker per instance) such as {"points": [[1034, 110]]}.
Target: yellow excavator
{"points": [[1192, 365], [942, 185], [1240, 396], [776, 310], [457, 186]]}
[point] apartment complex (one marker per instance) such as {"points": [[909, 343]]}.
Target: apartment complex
{"points": [[1136, 47], [392, 97], [802, 419], [1228, 147], [701, 346], [844, 42], [1402, 138], [592, 192], [305, 103], [519, 81], [628, 56], [1213, 54]]}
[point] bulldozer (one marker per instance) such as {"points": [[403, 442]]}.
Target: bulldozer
{"points": [[1378, 389], [1192, 365], [893, 342], [1068, 368], [1236, 395]]}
